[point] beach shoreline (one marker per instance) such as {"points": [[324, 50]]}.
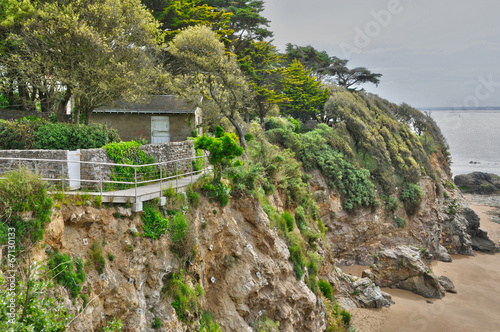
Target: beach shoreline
{"points": [[476, 307]]}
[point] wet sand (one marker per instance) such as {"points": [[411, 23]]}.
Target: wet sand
{"points": [[476, 307]]}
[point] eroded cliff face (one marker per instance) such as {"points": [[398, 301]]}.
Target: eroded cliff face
{"points": [[235, 246], [242, 262], [444, 223]]}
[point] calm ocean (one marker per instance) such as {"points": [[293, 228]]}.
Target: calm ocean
{"points": [[473, 136]]}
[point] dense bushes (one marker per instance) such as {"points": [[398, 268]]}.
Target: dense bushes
{"points": [[185, 297], [314, 151], [412, 196], [130, 153], [154, 224], [23, 191], [35, 133], [67, 272]]}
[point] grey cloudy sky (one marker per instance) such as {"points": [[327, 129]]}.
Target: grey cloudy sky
{"points": [[431, 53]]}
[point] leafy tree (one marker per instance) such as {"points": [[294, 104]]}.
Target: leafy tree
{"points": [[179, 14], [348, 78], [247, 22], [95, 51], [203, 68], [222, 149], [306, 94], [34, 309], [331, 68], [262, 63]]}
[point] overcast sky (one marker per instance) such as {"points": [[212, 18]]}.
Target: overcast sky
{"points": [[431, 53]]}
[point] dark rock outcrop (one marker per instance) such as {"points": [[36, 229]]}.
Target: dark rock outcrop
{"points": [[479, 183], [407, 268]]}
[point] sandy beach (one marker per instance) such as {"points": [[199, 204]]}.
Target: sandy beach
{"points": [[476, 307]]}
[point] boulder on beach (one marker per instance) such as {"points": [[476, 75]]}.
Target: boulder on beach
{"points": [[479, 183], [408, 268]]}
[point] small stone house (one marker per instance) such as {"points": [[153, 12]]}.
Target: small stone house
{"points": [[161, 119]]}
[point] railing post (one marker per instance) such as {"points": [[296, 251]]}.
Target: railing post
{"points": [[135, 182], [62, 170], [192, 170], [161, 181], [100, 180], [176, 176]]}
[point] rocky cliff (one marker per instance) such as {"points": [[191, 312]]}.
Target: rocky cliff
{"points": [[242, 262]]}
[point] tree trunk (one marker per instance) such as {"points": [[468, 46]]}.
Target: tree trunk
{"points": [[23, 96], [63, 103], [239, 132]]}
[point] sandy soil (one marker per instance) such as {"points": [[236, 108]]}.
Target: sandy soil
{"points": [[476, 307]]}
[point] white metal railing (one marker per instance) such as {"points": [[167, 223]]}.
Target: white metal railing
{"points": [[102, 177]]}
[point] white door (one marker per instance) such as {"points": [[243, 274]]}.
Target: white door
{"points": [[74, 169], [160, 129]]}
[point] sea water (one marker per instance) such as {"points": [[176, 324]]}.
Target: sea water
{"points": [[474, 139]]}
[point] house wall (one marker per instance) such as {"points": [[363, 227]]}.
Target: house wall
{"points": [[129, 125]]}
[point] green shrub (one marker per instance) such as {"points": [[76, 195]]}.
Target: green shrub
{"points": [[346, 317], [154, 224], [265, 324], [67, 272], [219, 192], [184, 297], [156, 324], [297, 257], [412, 196], [392, 204], [326, 288], [179, 227], [401, 222], [21, 191], [111, 257], [65, 136], [18, 135], [300, 219], [114, 326], [192, 196], [97, 257], [287, 216], [207, 323], [130, 153]]}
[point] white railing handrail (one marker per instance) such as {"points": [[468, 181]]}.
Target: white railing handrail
{"points": [[100, 163]]}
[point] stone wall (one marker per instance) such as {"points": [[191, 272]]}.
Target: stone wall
{"points": [[47, 169], [161, 152]]}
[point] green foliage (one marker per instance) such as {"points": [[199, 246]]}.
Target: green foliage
{"points": [[185, 299], [96, 254], [156, 323], [41, 311], [265, 324], [297, 257], [412, 196], [65, 136], [400, 222], [114, 326], [314, 150], [111, 257], [18, 135], [300, 219], [192, 196], [287, 216], [22, 191], [154, 223], [222, 148], [207, 323], [67, 272], [305, 94], [181, 235], [326, 288], [130, 153], [219, 192], [391, 204], [452, 208]]}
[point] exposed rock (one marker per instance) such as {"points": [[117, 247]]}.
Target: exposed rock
{"points": [[481, 242], [403, 267], [479, 183], [443, 255], [447, 284]]}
